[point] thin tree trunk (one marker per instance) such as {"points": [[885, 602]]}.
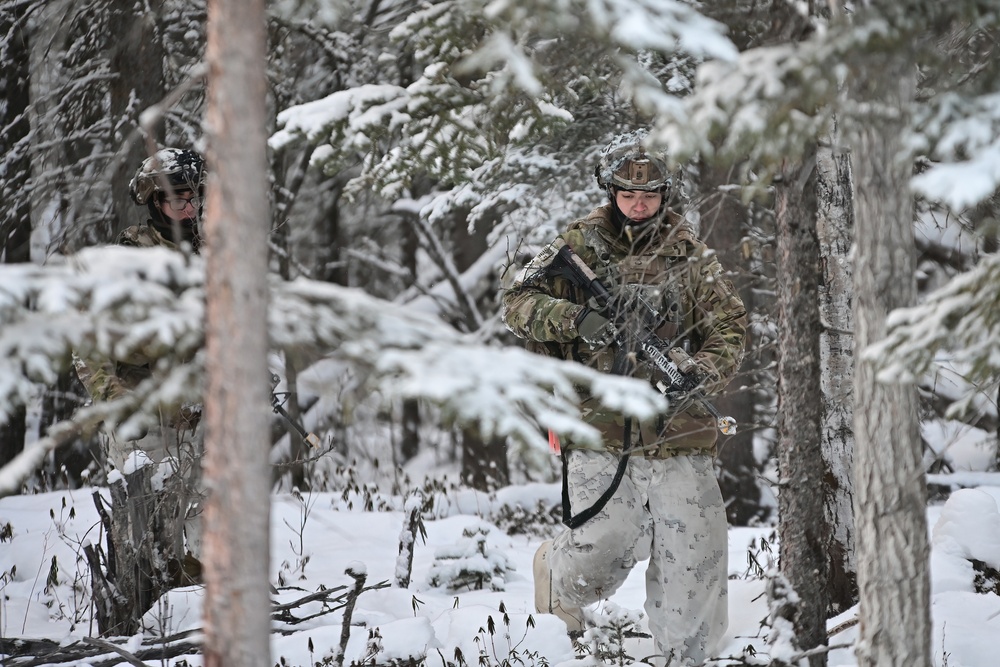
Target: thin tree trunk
{"points": [[834, 227], [15, 204], [237, 538], [409, 444], [723, 225], [136, 60], [802, 528], [890, 490]]}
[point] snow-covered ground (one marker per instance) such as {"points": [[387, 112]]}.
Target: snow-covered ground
{"points": [[315, 539]]}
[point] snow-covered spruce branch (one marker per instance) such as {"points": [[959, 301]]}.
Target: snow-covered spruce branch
{"points": [[119, 302], [132, 411], [960, 317], [111, 302]]}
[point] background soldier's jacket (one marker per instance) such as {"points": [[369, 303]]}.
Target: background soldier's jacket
{"points": [[679, 277], [107, 379]]}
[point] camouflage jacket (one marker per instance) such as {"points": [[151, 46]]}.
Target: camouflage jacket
{"points": [[678, 276], [107, 379]]}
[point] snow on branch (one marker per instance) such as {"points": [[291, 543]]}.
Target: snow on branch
{"points": [[962, 318], [765, 104], [408, 353], [114, 302], [120, 302], [961, 133], [666, 26]]}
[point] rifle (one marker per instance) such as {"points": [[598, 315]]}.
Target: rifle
{"points": [[310, 438], [649, 345]]}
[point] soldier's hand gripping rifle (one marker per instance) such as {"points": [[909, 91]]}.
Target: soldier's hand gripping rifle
{"points": [[675, 382]]}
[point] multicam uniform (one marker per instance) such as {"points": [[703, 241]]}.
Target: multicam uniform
{"points": [[668, 506], [178, 440]]}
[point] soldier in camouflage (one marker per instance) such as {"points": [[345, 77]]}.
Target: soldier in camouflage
{"points": [[170, 184], [667, 506]]}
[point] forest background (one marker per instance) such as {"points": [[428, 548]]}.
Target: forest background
{"points": [[419, 152]]}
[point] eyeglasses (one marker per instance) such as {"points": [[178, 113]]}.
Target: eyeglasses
{"points": [[179, 203]]}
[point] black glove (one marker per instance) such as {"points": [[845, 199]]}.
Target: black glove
{"points": [[593, 327]]}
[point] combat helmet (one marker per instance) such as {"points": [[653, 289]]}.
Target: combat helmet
{"points": [[627, 163], [177, 168], [165, 173]]}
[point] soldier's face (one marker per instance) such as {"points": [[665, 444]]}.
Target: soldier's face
{"points": [[638, 204], [181, 206]]}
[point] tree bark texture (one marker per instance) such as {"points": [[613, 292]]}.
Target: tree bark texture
{"points": [[834, 227], [236, 542], [15, 208], [15, 204], [142, 561], [890, 491], [136, 60], [724, 219], [801, 527]]}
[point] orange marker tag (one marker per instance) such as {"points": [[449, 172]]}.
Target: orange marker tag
{"points": [[554, 442]]}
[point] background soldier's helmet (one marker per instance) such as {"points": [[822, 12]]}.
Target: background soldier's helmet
{"points": [[628, 165], [181, 169]]}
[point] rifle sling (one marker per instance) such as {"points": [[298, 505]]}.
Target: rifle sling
{"points": [[592, 511]]}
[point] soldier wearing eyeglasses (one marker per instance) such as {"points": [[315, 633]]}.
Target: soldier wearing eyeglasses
{"points": [[171, 184]]}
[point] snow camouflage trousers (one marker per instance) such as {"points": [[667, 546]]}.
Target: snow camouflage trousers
{"points": [[667, 510]]}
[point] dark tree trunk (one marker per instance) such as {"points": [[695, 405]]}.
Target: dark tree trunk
{"points": [[138, 82], [12, 434], [329, 258], [484, 461], [409, 445], [15, 202], [802, 527], [724, 222], [409, 442]]}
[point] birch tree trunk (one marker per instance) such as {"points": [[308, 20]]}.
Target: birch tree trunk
{"points": [[890, 490], [236, 544], [835, 221], [802, 527]]}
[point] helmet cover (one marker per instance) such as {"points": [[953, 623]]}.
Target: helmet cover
{"points": [[628, 164], [180, 169]]}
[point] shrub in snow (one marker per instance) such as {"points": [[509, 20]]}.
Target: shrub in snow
{"points": [[541, 520], [470, 564], [605, 642]]}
